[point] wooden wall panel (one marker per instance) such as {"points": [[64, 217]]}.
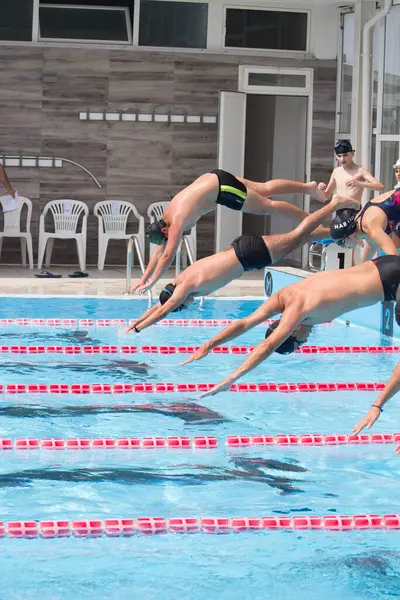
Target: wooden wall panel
{"points": [[139, 162]]}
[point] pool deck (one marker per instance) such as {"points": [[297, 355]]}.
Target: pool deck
{"points": [[111, 282]]}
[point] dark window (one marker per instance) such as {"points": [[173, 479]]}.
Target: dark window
{"points": [[16, 20], [84, 23], [266, 29], [173, 24]]}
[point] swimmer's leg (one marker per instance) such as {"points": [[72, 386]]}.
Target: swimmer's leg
{"points": [[282, 244], [255, 204], [275, 187]]}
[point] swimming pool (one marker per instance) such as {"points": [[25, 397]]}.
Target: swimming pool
{"points": [[169, 482]]}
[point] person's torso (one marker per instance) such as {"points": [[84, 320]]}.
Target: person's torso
{"points": [[212, 273], [194, 201], [329, 294], [342, 176]]}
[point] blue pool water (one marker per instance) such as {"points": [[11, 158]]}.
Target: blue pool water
{"points": [[254, 482]]}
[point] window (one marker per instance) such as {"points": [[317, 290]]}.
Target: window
{"points": [[16, 20], [391, 81], [266, 29], [85, 23], [346, 72], [173, 24]]}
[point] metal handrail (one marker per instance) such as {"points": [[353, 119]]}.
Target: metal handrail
{"points": [[321, 254], [134, 241]]}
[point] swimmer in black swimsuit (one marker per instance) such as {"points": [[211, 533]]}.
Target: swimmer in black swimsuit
{"points": [[316, 299], [247, 252], [202, 197], [377, 223]]}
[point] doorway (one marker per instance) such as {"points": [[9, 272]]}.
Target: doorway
{"points": [[275, 148]]}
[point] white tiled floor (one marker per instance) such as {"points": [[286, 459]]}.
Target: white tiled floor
{"points": [[110, 282]]}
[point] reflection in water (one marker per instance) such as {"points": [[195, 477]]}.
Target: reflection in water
{"points": [[115, 368], [188, 412], [183, 474], [50, 336]]}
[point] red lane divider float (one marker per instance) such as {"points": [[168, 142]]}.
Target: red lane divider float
{"points": [[214, 525], [121, 322], [207, 441], [155, 388], [187, 349]]}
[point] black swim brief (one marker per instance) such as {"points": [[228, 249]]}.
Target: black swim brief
{"points": [[252, 252], [232, 192], [389, 272]]}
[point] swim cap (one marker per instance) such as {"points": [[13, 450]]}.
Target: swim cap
{"points": [[397, 312], [289, 346], [343, 225], [154, 233], [397, 165], [343, 146], [166, 294]]}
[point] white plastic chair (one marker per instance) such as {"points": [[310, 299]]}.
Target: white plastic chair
{"points": [[113, 217], [66, 215], [155, 212], [12, 228]]}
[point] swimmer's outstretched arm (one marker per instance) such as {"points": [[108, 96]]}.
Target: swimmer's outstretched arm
{"points": [[154, 258], [140, 320], [174, 238], [271, 307], [289, 320], [180, 294], [391, 389]]}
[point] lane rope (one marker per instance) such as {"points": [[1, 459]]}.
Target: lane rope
{"points": [[125, 527], [203, 441], [188, 349], [122, 322], [160, 388]]}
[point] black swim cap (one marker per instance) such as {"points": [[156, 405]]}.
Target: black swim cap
{"points": [[397, 312], [289, 346], [343, 146], [154, 233], [343, 225], [166, 294]]}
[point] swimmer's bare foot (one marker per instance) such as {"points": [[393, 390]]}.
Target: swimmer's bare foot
{"points": [[315, 192]]}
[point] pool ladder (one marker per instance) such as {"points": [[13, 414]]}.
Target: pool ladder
{"points": [[133, 241]]}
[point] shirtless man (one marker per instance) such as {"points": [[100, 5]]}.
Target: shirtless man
{"points": [[349, 179], [247, 252], [202, 197], [316, 299]]}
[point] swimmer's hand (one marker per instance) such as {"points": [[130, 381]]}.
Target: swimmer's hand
{"points": [[322, 186], [137, 285], [220, 387], [130, 329], [372, 415], [143, 289], [397, 450], [198, 355]]}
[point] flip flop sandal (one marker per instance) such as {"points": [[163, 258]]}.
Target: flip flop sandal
{"points": [[47, 275], [78, 274]]}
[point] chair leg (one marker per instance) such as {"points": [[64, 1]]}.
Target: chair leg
{"points": [[103, 245], [49, 251], [81, 253], [30, 250], [42, 247], [23, 251]]}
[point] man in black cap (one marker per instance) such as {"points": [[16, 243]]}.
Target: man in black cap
{"points": [[349, 179]]}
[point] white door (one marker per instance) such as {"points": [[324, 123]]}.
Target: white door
{"points": [[231, 146]]}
